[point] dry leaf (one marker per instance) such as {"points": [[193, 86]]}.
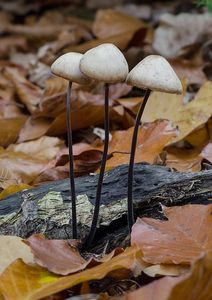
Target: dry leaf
{"points": [[192, 286], [187, 117], [58, 256], [11, 248], [11, 43], [28, 93], [152, 138], [177, 32], [12, 189], [24, 282], [44, 148], [207, 152], [68, 257], [175, 241], [22, 167], [186, 70], [12, 128], [183, 160], [33, 129], [109, 22]]}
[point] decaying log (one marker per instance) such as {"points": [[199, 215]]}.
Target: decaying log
{"points": [[46, 209]]}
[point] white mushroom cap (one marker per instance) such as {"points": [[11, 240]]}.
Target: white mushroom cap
{"points": [[155, 73], [105, 63], [67, 66]]}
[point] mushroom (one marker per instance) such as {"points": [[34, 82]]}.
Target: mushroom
{"points": [[107, 64], [153, 73], [67, 67]]}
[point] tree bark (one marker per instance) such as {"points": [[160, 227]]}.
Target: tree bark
{"points": [[46, 209]]}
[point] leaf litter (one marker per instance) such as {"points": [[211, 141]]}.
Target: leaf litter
{"points": [[33, 144]]}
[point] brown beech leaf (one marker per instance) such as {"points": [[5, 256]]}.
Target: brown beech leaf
{"points": [[33, 129], [87, 159], [176, 32], [11, 248], [53, 103], [58, 256], [28, 93], [8, 108], [44, 148], [131, 104], [21, 167], [25, 282], [122, 41], [6, 177], [152, 138], [186, 70], [183, 160], [62, 256], [109, 22], [11, 43], [87, 115], [207, 152], [53, 100], [38, 31], [188, 117], [12, 128], [175, 241], [166, 270], [194, 285], [25, 161]]}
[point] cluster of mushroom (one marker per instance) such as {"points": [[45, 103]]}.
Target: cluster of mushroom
{"points": [[106, 63]]}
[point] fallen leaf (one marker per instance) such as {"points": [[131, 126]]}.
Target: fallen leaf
{"points": [[186, 70], [11, 248], [12, 189], [11, 43], [12, 128], [68, 260], [28, 93], [192, 286], [152, 138], [166, 270], [122, 41], [187, 117], [183, 160], [22, 167], [34, 129], [45, 251], [177, 32], [109, 22], [175, 241], [207, 152], [44, 148], [21, 281]]}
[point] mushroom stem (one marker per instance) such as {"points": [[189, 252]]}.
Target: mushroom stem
{"points": [[132, 158], [101, 173], [71, 162]]}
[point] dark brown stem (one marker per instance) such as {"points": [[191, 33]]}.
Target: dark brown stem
{"points": [[71, 162], [101, 174], [132, 158]]}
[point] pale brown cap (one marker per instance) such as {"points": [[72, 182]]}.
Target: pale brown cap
{"points": [[155, 73], [67, 66], [105, 63]]}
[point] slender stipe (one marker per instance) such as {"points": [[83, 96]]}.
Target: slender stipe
{"points": [[71, 162], [101, 174], [131, 219]]}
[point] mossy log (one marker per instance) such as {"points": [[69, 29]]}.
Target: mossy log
{"points": [[46, 209]]}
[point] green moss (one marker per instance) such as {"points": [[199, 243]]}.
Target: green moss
{"points": [[207, 3]]}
